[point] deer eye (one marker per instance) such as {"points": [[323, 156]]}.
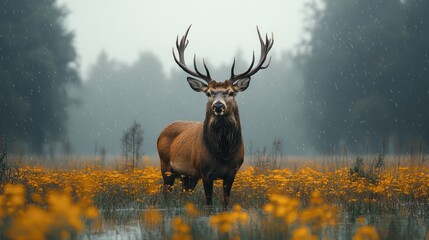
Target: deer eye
{"points": [[208, 94], [231, 94]]}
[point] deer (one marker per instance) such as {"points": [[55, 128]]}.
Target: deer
{"points": [[213, 149]]}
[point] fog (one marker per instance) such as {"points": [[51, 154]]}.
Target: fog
{"points": [[140, 33], [117, 94], [126, 29], [344, 76]]}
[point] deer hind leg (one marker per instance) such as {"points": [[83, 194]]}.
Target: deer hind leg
{"points": [[168, 176], [189, 183], [168, 182]]}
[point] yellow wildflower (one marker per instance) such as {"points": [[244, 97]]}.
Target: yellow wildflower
{"points": [[225, 227], [35, 224], [268, 208], [14, 197], [366, 233], [303, 233], [91, 212], [151, 218], [191, 210], [181, 230]]}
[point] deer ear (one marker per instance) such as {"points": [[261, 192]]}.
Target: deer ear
{"points": [[242, 84], [197, 85]]}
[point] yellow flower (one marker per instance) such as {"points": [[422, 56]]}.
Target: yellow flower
{"points": [[360, 220], [191, 210], [268, 208], [280, 211], [366, 233], [316, 199], [214, 220], [91, 212], [291, 217], [236, 208], [303, 233], [37, 198], [151, 218], [181, 229], [65, 212], [14, 197], [10, 189], [179, 236], [225, 227], [35, 224]]}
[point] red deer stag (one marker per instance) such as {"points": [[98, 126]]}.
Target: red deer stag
{"points": [[212, 149]]}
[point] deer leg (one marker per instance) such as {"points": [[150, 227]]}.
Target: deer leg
{"points": [[168, 176], [227, 185], [189, 183], [208, 190], [168, 181]]}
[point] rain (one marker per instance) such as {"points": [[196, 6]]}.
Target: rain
{"points": [[329, 138], [335, 80]]}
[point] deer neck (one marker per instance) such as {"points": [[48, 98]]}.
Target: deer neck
{"points": [[222, 134]]}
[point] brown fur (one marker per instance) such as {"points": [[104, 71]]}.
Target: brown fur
{"points": [[207, 150], [212, 149]]}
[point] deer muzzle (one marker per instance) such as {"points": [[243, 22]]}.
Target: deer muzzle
{"points": [[218, 108]]}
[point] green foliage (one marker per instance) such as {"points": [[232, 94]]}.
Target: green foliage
{"points": [[365, 72], [370, 173], [36, 66], [358, 168]]}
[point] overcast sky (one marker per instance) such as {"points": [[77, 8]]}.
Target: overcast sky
{"points": [[126, 28]]}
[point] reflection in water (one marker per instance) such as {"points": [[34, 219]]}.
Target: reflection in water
{"points": [[129, 224]]}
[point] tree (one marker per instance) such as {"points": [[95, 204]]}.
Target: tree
{"points": [[37, 64], [131, 144], [113, 96], [365, 72]]}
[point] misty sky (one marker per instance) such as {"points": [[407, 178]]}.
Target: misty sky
{"points": [[126, 28]]}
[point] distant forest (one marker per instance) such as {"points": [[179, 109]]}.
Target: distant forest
{"points": [[366, 75], [116, 94], [360, 81]]}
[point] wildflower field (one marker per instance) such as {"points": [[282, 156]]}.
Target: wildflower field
{"points": [[304, 199]]}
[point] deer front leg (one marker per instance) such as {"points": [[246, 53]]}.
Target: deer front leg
{"points": [[227, 185], [208, 190]]}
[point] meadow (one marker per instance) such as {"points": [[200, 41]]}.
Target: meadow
{"points": [[295, 198]]}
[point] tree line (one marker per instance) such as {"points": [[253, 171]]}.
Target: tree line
{"points": [[365, 72], [37, 65], [117, 94], [359, 80]]}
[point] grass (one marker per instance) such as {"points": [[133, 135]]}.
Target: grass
{"points": [[325, 198]]}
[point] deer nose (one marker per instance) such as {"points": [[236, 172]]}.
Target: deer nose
{"points": [[218, 107]]}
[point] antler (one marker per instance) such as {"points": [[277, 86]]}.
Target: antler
{"points": [[265, 48], [181, 46]]}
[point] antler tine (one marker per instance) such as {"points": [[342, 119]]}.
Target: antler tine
{"points": [[205, 67], [181, 46], [207, 70], [265, 48], [232, 68]]}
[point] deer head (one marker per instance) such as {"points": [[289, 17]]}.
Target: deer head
{"points": [[221, 95]]}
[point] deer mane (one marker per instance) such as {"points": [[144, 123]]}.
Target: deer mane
{"points": [[222, 135]]}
